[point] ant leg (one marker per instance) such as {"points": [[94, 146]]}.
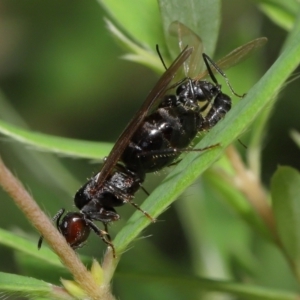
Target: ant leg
{"points": [[56, 218], [207, 59], [242, 144], [103, 235], [205, 106], [144, 190], [153, 220], [106, 230], [127, 199], [175, 151], [40, 242], [175, 163], [176, 84], [191, 87], [160, 56], [196, 150]]}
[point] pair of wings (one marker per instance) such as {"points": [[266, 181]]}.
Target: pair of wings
{"points": [[191, 58]]}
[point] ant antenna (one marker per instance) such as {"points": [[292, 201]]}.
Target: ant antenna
{"points": [[207, 61], [160, 56], [242, 144], [176, 83]]}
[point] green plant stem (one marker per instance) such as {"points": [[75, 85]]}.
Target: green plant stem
{"points": [[250, 185], [246, 181], [39, 220]]}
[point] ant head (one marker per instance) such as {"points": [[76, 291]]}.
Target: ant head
{"points": [[75, 229]]}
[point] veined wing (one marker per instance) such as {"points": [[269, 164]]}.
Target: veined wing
{"points": [[236, 56], [194, 65], [154, 96]]}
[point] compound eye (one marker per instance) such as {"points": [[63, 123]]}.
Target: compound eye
{"points": [[75, 229], [183, 90]]}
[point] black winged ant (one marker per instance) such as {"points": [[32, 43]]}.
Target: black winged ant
{"points": [[160, 131], [115, 184]]}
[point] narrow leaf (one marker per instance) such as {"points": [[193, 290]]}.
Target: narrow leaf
{"points": [[242, 291], [64, 146], [23, 245], [295, 135], [285, 190], [138, 19], [282, 13], [30, 287]]}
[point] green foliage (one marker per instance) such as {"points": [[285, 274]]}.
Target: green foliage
{"points": [[285, 195], [231, 231], [283, 13], [49, 143]]}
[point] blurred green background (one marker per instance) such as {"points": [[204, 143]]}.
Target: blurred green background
{"points": [[60, 70]]}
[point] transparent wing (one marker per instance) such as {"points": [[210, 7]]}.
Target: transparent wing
{"points": [[236, 56], [186, 37], [154, 96]]}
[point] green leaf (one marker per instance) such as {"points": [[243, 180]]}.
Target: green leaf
{"points": [[189, 12], [285, 190], [23, 245], [235, 123], [37, 163], [256, 141], [65, 146], [10, 282], [243, 291], [237, 201], [282, 13], [138, 54], [150, 33], [28, 247], [26, 286], [139, 19], [295, 135]]}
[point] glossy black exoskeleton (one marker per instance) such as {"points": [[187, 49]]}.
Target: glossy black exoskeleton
{"points": [[115, 184], [160, 131], [210, 93]]}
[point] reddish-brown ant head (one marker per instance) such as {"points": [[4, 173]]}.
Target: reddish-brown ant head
{"points": [[75, 229]]}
